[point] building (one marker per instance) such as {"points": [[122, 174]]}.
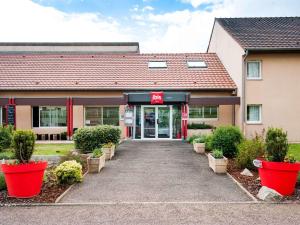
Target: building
{"points": [[249, 77], [262, 55], [64, 89]]}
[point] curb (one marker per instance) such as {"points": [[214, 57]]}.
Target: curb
{"points": [[243, 189], [59, 198]]}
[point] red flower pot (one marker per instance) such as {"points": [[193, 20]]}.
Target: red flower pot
{"points": [[24, 180], [280, 176]]}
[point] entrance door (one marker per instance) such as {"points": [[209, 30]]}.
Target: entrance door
{"points": [[156, 122]]}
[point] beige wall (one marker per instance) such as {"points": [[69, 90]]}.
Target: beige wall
{"points": [[23, 117], [278, 92], [78, 116], [231, 55]]}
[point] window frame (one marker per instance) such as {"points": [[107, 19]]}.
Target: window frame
{"points": [[190, 66], [260, 114], [203, 118], [99, 106], [1, 108], [49, 106], [153, 66], [260, 70]]}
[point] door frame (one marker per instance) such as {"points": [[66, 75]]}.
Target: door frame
{"points": [[156, 124]]}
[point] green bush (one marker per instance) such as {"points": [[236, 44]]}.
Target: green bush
{"points": [[5, 137], [89, 138], [68, 172], [23, 142], [7, 155], [208, 139], [199, 140], [217, 154], [70, 156], [227, 138], [248, 150], [276, 144], [192, 138], [200, 126], [2, 182], [97, 153]]}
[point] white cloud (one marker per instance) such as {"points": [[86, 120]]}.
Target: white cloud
{"points": [[178, 31], [196, 3], [147, 8]]}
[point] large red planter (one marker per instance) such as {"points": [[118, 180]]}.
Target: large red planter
{"points": [[24, 180], [280, 176]]}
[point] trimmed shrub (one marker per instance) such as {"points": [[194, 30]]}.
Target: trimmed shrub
{"points": [[23, 142], [5, 137], [276, 144], [7, 155], [89, 138], [248, 150], [199, 140], [2, 182], [226, 139], [217, 154], [68, 172], [192, 138], [200, 126], [208, 139], [71, 156]]}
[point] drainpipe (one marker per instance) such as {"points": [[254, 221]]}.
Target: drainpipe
{"points": [[243, 100]]}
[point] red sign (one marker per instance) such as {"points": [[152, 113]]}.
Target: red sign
{"points": [[157, 98]]}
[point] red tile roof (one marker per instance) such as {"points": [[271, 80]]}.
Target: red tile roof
{"points": [[114, 71]]}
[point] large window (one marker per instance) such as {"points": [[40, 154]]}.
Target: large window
{"points": [[253, 70], [254, 113], [52, 116], [203, 112], [101, 115]]}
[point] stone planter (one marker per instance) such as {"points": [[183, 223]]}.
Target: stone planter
{"points": [[199, 147], [191, 132], [95, 164], [217, 165], [109, 152]]}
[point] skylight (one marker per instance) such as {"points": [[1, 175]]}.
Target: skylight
{"points": [[157, 64], [196, 64]]}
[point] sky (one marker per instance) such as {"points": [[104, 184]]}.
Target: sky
{"points": [[158, 25]]}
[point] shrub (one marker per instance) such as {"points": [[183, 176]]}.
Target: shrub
{"points": [[68, 172], [5, 137], [276, 144], [227, 138], [71, 156], [200, 126], [217, 154], [248, 150], [23, 142], [87, 139], [208, 139], [7, 155], [199, 140], [192, 138], [97, 153], [2, 182]]}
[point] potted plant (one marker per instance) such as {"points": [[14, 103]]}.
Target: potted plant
{"points": [[277, 171], [96, 161], [109, 150], [217, 161], [24, 178], [199, 144]]}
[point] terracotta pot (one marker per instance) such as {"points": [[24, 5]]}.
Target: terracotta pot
{"points": [[24, 180], [217, 165], [95, 164]]}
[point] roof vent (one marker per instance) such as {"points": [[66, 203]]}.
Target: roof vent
{"points": [[196, 64], [157, 64]]}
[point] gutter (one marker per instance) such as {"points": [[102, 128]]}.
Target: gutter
{"points": [[243, 101]]}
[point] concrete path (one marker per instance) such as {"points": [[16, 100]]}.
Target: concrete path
{"points": [[166, 171], [205, 214]]}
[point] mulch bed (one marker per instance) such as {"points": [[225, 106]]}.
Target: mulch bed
{"points": [[49, 193], [252, 184]]}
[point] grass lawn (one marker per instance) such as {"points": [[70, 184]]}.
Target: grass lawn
{"points": [[294, 149], [53, 149]]}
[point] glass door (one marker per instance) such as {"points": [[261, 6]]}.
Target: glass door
{"points": [[156, 122], [149, 122], [163, 122]]}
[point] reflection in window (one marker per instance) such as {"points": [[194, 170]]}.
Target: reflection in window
{"points": [[101, 116], [52, 116], [203, 112]]}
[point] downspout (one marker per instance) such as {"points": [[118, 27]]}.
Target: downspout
{"points": [[243, 100]]}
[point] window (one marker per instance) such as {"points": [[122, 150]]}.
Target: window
{"points": [[254, 113], [203, 112], [101, 116], [254, 70], [157, 64], [196, 64], [52, 116]]}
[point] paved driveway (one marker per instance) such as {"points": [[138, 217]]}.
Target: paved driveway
{"points": [[166, 171]]}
